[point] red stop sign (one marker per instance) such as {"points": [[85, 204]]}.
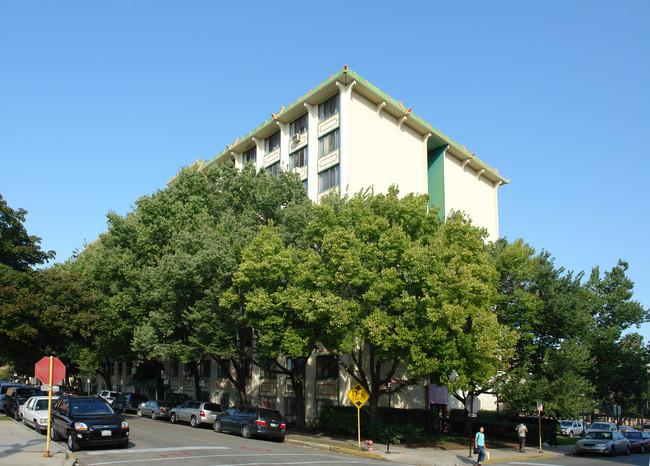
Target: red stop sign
{"points": [[42, 370]]}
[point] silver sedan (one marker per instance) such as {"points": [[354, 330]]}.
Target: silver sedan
{"points": [[604, 443]]}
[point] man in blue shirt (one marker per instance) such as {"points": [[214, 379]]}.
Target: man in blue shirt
{"points": [[479, 443]]}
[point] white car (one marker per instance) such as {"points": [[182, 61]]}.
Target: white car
{"points": [[571, 428], [34, 412], [109, 395]]}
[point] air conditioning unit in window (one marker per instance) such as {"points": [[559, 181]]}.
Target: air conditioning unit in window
{"points": [[296, 138]]}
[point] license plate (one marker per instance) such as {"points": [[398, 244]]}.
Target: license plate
{"points": [[106, 433], [273, 424]]}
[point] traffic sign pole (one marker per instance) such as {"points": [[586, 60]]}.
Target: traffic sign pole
{"points": [[49, 412]]}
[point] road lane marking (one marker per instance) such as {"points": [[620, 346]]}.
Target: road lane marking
{"points": [[237, 464], [534, 464], [156, 450]]}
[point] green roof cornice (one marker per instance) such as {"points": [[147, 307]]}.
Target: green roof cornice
{"points": [[346, 76]]}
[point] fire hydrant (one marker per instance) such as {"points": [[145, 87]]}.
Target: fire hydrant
{"points": [[370, 445]]}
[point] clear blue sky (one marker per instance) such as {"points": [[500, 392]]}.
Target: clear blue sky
{"points": [[103, 102]]}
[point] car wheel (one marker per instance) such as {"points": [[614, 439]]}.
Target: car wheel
{"points": [[138, 413], [217, 426], [72, 443], [571, 433], [153, 415], [172, 418], [124, 444], [16, 415], [642, 451], [53, 435], [246, 431], [193, 422], [628, 450], [613, 452]]}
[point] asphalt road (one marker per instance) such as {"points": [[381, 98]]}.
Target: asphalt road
{"points": [[160, 442]]}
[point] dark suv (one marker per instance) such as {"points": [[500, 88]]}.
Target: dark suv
{"points": [[128, 402], [16, 396], [87, 420], [249, 421]]}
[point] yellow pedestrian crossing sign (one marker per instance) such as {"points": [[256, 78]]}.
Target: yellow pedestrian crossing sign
{"points": [[358, 396]]}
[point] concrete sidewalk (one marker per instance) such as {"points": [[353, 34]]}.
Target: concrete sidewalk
{"points": [[21, 445], [423, 456]]}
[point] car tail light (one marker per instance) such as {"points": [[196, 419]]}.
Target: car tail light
{"points": [[283, 426], [162, 410], [260, 422]]}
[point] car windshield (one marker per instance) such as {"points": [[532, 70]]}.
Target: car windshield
{"points": [[40, 405], [270, 414], [596, 425], [636, 435], [565, 423], [90, 407], [27, 392], [599, 435]]}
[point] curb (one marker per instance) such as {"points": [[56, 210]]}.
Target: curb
{"points": [[512, 458], [339, 449]]}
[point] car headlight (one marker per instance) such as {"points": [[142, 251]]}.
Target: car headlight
{"points": [[41, 420], [80, 426], [125, 425]]}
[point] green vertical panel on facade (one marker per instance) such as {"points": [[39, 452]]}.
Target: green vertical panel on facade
{"points": [[436, 178]]}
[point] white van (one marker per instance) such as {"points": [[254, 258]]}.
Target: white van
{"points": [[572, 428]]}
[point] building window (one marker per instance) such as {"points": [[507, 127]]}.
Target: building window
{"points": [[206, 368], [173, 368], [299, 158], [328, 143], [322, 404], [327, 367], [328, 108], [329, 178], [304, 183], [250, 155], [223, 399], [267, 373], [267, 402], [272, 142], [222, 372], [299, 126], [273, 169]]}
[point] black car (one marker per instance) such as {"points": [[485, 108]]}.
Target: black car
{"points": [[87, 420], [128, 402], [16, 396], [251, 421]]}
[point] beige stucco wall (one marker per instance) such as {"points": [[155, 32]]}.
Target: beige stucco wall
{"points": [[380, 153], [472, 194]]}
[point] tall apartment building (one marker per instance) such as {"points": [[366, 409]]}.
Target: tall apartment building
{"points": [[346, 135]]}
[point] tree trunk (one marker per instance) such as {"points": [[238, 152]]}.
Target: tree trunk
{"points": [[297, 377], [194, 370]]}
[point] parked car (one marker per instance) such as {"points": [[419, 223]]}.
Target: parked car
{"points": [[109, 395], [571, 428], [251, 421], [128, 402], [4, 386], [598, 426], [16, 396], [195, 412], [622, 429], [605, 442], [87, 420], [155, 409], [646, 427], [34, 412], [639, 441]]}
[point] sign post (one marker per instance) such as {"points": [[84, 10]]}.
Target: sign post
{"points": [[358, 396], [49, 370], [540, 407]]}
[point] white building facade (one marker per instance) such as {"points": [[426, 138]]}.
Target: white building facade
{"points": [[346, 135]]}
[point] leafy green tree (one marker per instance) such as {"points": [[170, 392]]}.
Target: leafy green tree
{"points": [[275, 281], [197, 229], [400, 287], [18, 250], [21, 301], [546, 306]]}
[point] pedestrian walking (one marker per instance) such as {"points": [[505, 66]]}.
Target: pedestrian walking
{"points": [[521, 431], [479, 444]]}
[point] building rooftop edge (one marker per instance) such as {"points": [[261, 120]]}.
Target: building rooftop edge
{"points": [[395, 104]]}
